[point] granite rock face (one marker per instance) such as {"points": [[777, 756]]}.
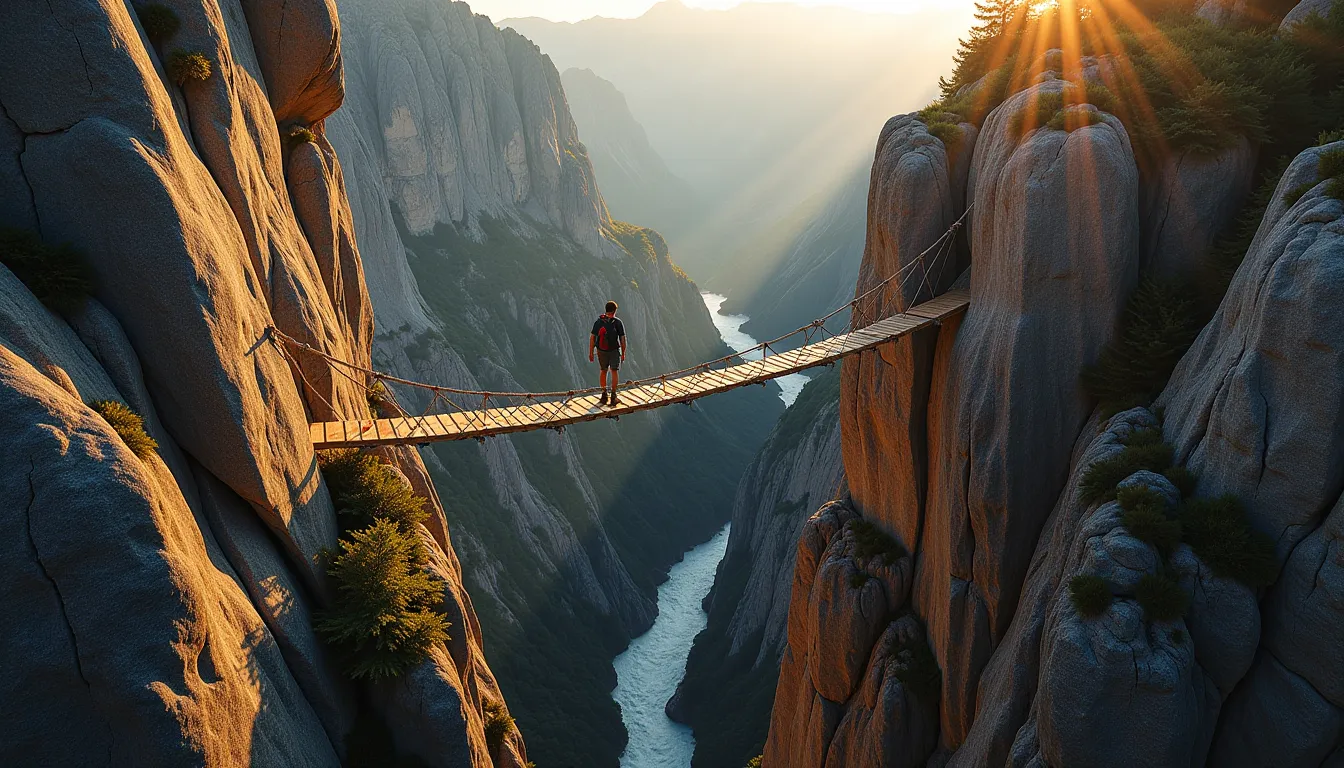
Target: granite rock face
{"points": [[1254, 408], [839, 697], [916, 194], [1048, 286], [1192, 199], [204, 226]]}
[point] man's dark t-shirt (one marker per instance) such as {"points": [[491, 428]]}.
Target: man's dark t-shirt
{"points": [[608, 332]]}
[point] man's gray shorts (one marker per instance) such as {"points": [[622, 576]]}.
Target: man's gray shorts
{"points": [[609, 359]]}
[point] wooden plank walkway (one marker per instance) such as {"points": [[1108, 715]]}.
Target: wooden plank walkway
{"points": [[693, 386]]}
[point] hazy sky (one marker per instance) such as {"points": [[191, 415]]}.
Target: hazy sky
{"points": [[575, 10]]}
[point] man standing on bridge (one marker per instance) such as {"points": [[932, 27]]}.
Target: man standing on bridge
{"points": [[608, 333]]}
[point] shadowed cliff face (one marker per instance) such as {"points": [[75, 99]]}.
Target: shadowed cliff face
{"points": [[973, 452], [163, 603], [489, 252]]}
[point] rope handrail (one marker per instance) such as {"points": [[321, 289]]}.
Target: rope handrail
{"points": [[942, 246]]}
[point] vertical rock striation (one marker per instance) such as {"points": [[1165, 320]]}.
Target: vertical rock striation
{"points": [[204, 224], [1054, 262]]}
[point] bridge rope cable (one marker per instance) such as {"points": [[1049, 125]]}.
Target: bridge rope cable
{"points": [[551, 404]]}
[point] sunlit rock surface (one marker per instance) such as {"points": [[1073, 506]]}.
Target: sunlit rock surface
{"points": [[171, 596]]}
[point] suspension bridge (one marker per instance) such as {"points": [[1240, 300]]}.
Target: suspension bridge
{"points": [[462, 414]]}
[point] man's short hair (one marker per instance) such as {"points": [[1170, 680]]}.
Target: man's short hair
{"points": [[611, 307]]}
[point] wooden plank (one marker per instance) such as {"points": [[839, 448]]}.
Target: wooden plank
{"points": [[536, 415]]}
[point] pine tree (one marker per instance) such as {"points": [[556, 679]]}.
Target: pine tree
{"points": [[385, 617], [995, 19]]}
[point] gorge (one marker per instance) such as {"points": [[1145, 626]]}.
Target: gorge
{"points": [[1092, 521]]}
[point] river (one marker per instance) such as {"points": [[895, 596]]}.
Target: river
{"points": [[648, 672], [730, 328]]}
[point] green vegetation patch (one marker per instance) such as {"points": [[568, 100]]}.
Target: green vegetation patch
{"points": [[1143, 450], [871, 541], [366, 488], [56, 274], [1090, 595], [755, 762], [949, 133], [915, 666], [1160, 323], [301, 135], [498, 723], [1145, 517], [384, 617], [1329, 171], [1161, 598], [188, 66], [128, 425], [1070, 120], [1221, 535], [160, 21]]}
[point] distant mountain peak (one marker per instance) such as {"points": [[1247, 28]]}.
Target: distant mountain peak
{"points": [[668, 8]]}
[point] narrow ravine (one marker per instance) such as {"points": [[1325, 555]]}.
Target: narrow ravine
{"points": [[648, 672], [730, 329]]}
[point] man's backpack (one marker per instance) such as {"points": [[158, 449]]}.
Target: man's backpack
{"points": [[606, 333]]}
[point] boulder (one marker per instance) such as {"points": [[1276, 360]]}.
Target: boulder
{"points": [[1010, 680], [235, 134], [1223, 12], [1276, 718], [1290, 709], [844, 622], [1188, 204], [298, 46], [1303, 10], [191, 675], [917, 192], [1048, 288], [887, 723], [1123, 688], [317, 189]]}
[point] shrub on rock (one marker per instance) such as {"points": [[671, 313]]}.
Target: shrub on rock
{"points": [[1161, 598], [871, 541], [1144, 450], [384, 619], [188, 66], [1220, 534], [128, 425], [1145, 517], [1161, 322], [365, 488], [1091, 595], [160, 21], [56, 274], [498, 723], [301, 135]]}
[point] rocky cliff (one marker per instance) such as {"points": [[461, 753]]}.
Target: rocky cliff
{"points": [[489, 250], [726, 692], [162, 600], [1022, 575]]}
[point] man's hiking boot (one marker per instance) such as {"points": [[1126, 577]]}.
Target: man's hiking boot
{"points": [[614, 399], [603, 401]]}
